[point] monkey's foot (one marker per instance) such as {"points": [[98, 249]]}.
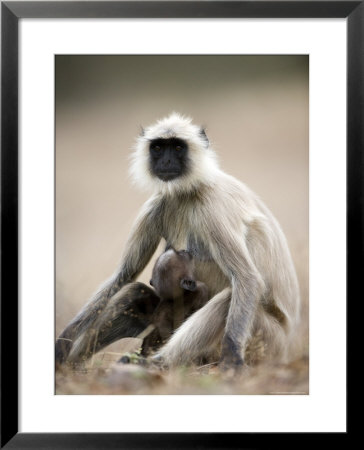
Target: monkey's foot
{"points": [[230, 371], [231, 364]]}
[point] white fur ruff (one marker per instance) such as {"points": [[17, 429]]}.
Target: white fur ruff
{"points": [[203, 159]]}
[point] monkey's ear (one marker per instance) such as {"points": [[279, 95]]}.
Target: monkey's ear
{"points": [[142, 131], [204, 136], [188, 284], [151, 282]]}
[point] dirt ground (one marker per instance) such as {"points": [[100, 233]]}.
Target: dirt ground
{"points": [[289, 379], [255, 109]]}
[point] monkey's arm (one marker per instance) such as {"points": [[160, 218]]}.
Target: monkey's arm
{"points": [[140, 247], [230, 251], [142, 243]]}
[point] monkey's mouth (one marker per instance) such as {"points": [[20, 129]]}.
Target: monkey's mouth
{"points": [[167, 176]]}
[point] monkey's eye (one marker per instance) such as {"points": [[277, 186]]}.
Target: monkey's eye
{"points": [[178, 148], [156, 148]]}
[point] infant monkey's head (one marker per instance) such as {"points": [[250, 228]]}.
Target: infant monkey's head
{"points": [[173, 273]]}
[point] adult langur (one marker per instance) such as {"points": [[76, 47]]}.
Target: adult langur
{"points": [[239, 249]]}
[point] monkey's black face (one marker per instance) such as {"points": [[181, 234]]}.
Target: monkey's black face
{"points": [[168, 158]]}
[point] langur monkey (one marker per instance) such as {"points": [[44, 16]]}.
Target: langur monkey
{"points": [[140, 311], [174, 281], [238, 247]]}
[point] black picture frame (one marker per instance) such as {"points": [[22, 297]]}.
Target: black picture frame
{"points": [[11, 12]]}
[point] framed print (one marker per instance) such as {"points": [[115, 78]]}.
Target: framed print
{"points": [[275, 90]]}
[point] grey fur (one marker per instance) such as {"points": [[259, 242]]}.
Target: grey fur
{"points": [[239, 249]]}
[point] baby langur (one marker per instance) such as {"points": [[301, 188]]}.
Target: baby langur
{"points": [[139, 311], [174, 281]]}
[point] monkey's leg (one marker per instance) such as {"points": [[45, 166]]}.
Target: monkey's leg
{"points": [[84, 323], [140, 247], [269, 339], [84, 320], [127, 314], [151, 342], [163, 321], [200, 334]]}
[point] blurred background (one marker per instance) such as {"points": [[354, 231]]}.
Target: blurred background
{"points": [[255, 109]]}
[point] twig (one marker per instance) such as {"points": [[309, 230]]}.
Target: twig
{"points": [[146, 332]]}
